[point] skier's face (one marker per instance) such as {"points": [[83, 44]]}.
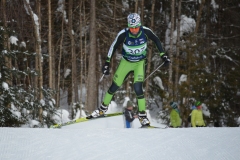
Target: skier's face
{"points": [[134, 30]]}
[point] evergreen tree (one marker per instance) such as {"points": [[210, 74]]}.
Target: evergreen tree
{"points": [[18, 104]]}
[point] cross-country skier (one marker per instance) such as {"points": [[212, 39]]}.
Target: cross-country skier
{"points": [[134, 54]]}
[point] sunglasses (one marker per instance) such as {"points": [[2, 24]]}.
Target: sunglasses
{"points": [[134, 29]]}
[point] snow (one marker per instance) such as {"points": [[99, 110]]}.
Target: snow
{"points": [[42, 102], [67, 72], [105, 138], [33, 123], [187, 25], [61, 9], [213, 3], [15, 111], [35, 17], [158, 81], [61, 116], [80, 142], [5, 85], [13, 40], [183, 78], [23, 44]]}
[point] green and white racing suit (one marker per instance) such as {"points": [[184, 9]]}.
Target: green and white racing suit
{"points": [[134, 54]]}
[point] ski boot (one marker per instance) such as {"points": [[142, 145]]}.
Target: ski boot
{"points": [[98, 112], [142, 116]]}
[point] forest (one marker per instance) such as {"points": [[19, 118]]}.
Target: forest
{"points": [[50, 47]]}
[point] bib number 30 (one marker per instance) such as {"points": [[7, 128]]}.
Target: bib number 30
{"points": [[136, 51]]}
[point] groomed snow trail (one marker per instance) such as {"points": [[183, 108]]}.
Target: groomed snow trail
{"points": [[98, 139]]}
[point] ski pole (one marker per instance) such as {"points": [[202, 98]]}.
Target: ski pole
{"points": [[101, 78], [154, 71]]}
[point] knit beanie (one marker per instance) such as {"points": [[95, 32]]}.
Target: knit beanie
{"points": [[173, 105], [129, 104], [198, 103]]}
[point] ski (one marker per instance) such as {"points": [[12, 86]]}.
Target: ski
{"points": [[84, 119], [105, 115], [152, 127]]}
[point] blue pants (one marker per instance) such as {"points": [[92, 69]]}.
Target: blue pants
{"points": [[128, 124]]}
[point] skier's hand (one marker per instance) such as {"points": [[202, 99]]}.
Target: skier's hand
{"points": [[166, 59], [105, 68]]}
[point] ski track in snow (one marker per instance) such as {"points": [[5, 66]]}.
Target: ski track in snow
{"points": [[107, 139]]}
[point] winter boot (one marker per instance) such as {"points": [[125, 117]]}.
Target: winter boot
{"points": [[142, 116], [99, 112]]}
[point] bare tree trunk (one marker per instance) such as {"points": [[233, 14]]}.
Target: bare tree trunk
{"points": [[199, 16], [50, 45], [8, 61], [142, 10], [177, 50], [40, 58], [92, 84], [36, 25], [136, 6], [114, 30], [6, 45], [81, 52], [85, 51], [150, 51], [59, 61], [73, 52], [171, 45]]}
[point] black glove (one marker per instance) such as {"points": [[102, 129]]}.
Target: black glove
{"points": [[105, 68], [165, 59]]}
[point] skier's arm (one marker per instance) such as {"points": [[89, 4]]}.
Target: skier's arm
{"points": [[118, 40], [150, 35]]}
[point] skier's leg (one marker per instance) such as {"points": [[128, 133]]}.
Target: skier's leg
{"points": [[138, 88], [140, 96], [111, 91], [119, 76], [106, 101], [141, 104]]}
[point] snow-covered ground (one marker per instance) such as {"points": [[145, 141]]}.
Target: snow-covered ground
{"points": [[107, 139]]}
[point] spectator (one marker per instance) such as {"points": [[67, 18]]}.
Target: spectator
{"points": [[197, 115], [129, 115], [175, 120]]}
